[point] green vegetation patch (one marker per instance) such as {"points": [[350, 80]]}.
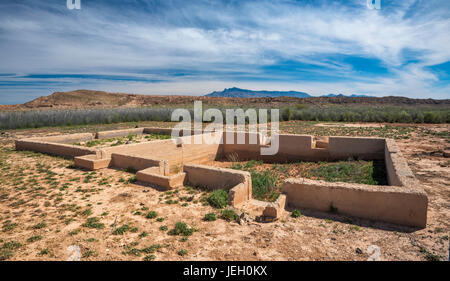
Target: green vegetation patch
{"points": [[229, 215], [210, 217], [218, 198], [181, 228], [94, 222], [8, 249], [121, 230], [364, 172], [296, 214]]}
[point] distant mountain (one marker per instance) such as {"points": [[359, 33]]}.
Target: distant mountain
{"points": [[99, 99], [342, 96], [243, 93]]}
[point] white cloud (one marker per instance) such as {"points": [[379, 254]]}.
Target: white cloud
{"points": [[213, 37]]}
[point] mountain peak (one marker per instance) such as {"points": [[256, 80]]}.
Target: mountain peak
{"points": [[235, 92]]}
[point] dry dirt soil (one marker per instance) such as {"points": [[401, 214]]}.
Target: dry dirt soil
{"points": [[46, 203]]}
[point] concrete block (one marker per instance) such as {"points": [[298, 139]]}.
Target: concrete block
{"points": [[166, 182], [275, 209], [92, 162]]}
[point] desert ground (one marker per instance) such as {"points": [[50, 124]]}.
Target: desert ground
{"points": [[49, 209]]}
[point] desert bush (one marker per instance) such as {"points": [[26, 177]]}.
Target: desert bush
{"points": [[296, 214], [229, 215], [286, 114], [218, 198], [263, 185], [335, 113], [390, 114], [51, 118], [210, 217], [181, 228]]}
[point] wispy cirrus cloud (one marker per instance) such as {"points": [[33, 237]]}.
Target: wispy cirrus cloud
{"points": [[180, 47]]}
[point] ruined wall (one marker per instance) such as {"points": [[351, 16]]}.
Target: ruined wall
{"points": [[397, 169], [92, 162], [153, 177], [124, 161], [119, 133], [402, 202], [249, 149], [356, 147], [58, 149], [385, 203], [72, 138], [239, 183], [175, 153], [293, 148]]}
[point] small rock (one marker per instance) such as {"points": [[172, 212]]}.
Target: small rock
{"points": [[359, 251], [446, 153], [243, 218], [75, 253]]}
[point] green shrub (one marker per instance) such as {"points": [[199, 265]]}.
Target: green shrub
{"points": [[132, 179], [286, 114], [151, 249], [218, 198], [181, 228], [182, 252], [131, 170], [7, 250], [149, 258], [151, 215], [40, 225], [296, 214], [264, 185], [143, 234], [210, 217], [229, 215], [121, 230], [93, 222], [34, 238]]}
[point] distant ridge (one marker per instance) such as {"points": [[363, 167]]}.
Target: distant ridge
{"points": [[343, 96], [100, 99], [243, 93]]}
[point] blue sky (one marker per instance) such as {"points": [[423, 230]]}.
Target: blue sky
{"points": [[196, 47]]}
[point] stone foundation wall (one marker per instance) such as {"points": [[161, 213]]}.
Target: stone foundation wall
{"points": [[58, 149], [402, 202], [239, 182]]}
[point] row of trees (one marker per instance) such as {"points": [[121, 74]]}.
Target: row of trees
{"points": [[393, 114], [50, 118], [368, 114]]}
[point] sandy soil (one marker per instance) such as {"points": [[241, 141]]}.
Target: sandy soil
{"points": [[351, 125], [43, 196]]}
